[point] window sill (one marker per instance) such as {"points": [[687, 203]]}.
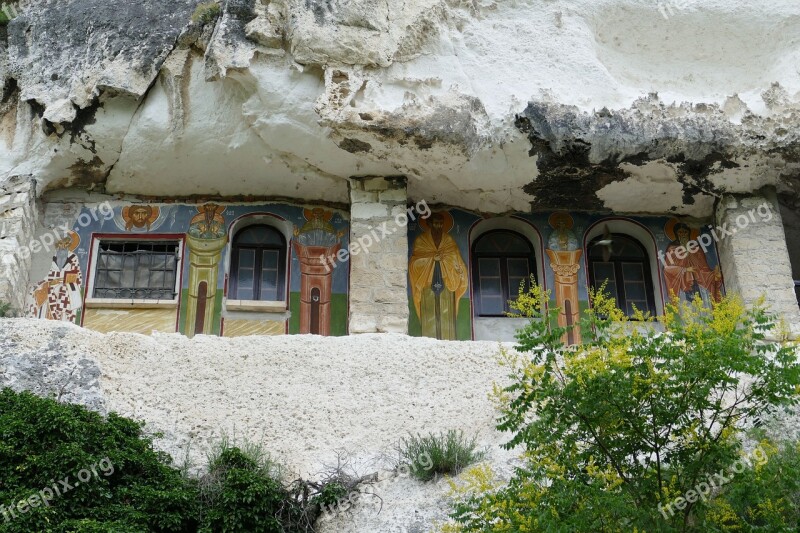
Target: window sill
{"points": [[123, 303], [278, 306]]}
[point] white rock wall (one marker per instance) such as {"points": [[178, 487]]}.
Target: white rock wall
{"points": [[18, 215], [302, 397]]}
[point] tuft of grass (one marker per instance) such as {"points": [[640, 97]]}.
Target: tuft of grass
{"points": [[5, 310], [433, 455], [206, 12]]}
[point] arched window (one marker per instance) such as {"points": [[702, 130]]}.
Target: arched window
{"points": [[258, 264], [501, 261], [622, 263]]}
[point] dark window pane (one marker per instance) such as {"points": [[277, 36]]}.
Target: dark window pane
{"points": [[247, 258], [489, 267], [633, 272], [269, 259], [245, 279], [603, 272], [519, 268], [503, 261], [635, 291]]}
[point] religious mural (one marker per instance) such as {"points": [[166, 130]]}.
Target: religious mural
{"points": [[565, 237], [140, 216], [316, 298], [58, 296], [437, 277], [686, 269]]}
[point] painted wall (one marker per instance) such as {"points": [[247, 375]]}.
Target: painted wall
{"points": [[560, 242], [205, 233]]}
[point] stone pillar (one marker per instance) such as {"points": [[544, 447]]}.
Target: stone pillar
{"points": [[755, 259], [379, 255], [17, 227]]}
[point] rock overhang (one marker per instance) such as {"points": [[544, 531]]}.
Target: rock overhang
{"points": [[605, 103]]}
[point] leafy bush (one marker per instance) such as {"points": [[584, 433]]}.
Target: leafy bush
{"points": [[132, 488], [432, 455], [629, 423], [242, 493], [5, 310], [765, 497], [206, 13]]}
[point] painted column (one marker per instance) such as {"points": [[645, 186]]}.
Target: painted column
{"points": [[205, 239], [565, 265], [316, 284], [565, 256], [753, 253], [18, 218], [379, 262]]}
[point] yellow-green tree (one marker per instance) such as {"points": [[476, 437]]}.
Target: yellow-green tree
{"points": [[618, 433]]}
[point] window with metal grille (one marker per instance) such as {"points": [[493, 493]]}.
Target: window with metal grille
{"points": [[502, 260], [624, 267], [258, 264], [136, 270]]}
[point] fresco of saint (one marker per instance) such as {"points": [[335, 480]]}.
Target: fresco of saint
{"points": [[688, 274], [139, 216], [58, 296], [438, 277]]}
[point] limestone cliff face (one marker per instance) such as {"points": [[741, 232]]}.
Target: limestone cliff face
{"points": [[627, 105]]}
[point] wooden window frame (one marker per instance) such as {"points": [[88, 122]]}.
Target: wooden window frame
{"points": [[282, 250], [618, 262], [475, 258]]}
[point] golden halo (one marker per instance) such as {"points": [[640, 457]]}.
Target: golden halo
{"points": [[74, 240], [561, 216], [669, 230], [326, 215], [447, 221]]}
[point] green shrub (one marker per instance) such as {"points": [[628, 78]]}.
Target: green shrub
{"points": [[765, 497], [206, 13], [617, 429], [244, 495], [5, 310], [433, 455], [42, 442], [134, 489]]}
